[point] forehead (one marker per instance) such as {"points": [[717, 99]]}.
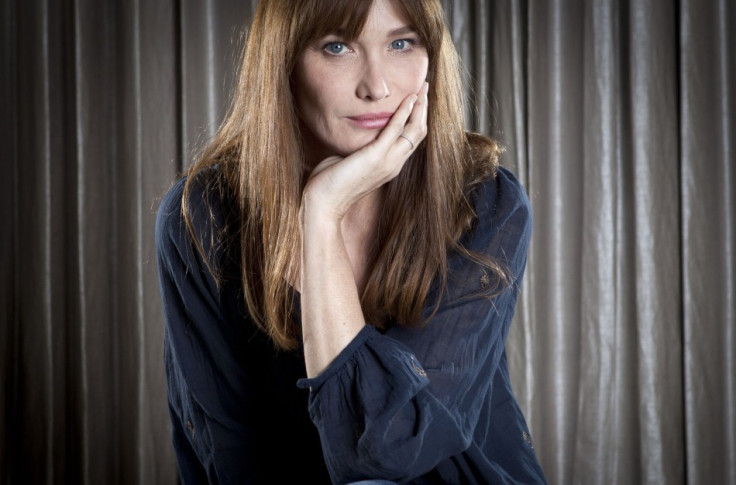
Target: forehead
{"points": [[384, 15]]}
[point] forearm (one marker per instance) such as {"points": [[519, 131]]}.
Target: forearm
{"points": [[331, 311]]}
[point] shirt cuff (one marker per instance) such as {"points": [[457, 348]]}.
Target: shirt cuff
{"points": [[314, 383]]}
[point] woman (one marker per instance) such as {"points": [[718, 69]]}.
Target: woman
{"points": [[339, 268]]}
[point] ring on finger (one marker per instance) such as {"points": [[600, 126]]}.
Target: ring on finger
{"points": [[407, 139]]}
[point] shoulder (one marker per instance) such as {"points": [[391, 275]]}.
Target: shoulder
{"points": [[502, 226], [208, 211], [501, 198], [169, 219]]}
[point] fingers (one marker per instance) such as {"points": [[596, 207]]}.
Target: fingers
{"points": [[391, 132], [408, 127], [416, 126]]}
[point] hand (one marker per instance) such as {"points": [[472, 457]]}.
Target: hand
{"points": [[337, 183]]}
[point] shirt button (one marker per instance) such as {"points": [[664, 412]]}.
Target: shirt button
{"points": [[418, 369], [485, 280]]}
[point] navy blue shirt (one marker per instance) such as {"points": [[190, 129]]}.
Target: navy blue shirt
{"points": [[425, 405]]}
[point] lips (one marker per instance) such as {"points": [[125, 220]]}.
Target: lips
{"points": [[371, 121]]}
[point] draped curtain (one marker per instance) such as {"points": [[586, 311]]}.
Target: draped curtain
{"points": [[618, 117]]}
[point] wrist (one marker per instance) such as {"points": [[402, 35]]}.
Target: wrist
{"points": [[317, 212]]}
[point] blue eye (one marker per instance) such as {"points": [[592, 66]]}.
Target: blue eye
{"points": [[335, 47], [401, 44]]}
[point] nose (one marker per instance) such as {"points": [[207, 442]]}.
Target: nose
{"points": [[373, 84]]}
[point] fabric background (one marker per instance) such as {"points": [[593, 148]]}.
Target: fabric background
{"points": [[618, 116]]}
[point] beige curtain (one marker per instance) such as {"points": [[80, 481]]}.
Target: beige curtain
{"points": [[618, 116]]}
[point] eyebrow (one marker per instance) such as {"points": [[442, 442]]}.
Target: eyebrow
{"points": [[407, 29]]}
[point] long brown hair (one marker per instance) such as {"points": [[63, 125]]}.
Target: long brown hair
{"points": [[258, 151]]}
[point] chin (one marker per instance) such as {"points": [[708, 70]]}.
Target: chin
{"points": [[362, 141], [358, 141]]}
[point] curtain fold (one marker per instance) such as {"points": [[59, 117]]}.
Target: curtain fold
{"points": [[618, 116], [707, 73], [9, 241], [601, 335]]}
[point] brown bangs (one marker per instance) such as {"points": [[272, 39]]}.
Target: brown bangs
{"points": [[320, 18]]}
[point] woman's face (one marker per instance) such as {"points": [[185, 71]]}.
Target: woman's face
{"points": [[346, 92]]}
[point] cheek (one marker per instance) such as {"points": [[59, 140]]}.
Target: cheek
{"points": [[413, 74], [313, 94], [314, 111]]}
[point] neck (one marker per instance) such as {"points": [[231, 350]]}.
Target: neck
{"points": [[360, 224]]}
